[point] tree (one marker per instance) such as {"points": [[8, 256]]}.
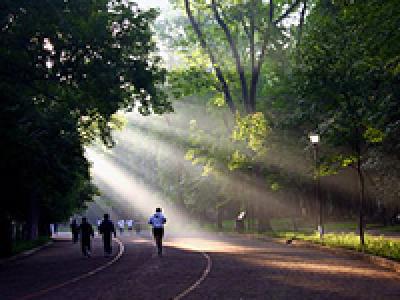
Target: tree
{"points": [[346, 85], [249, 28], [66, 69]]}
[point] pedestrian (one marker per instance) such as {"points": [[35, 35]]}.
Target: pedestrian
{"points": [[129, 223], [86, 232], [98, 225], [121, 226], [157, 221], [75, 231], [138, 227], [106, 229]]}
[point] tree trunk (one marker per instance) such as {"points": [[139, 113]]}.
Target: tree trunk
{"points": [[44, 228], [6, 236], [263, 218], [33, 219], [219, 217], [218, 71], [235, 52], [362, 204]]}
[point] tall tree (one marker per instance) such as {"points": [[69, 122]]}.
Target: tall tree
{"points": [[66, 68], [347, 85], [254, 21]]}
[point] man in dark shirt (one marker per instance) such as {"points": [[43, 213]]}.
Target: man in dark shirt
{"points": [[75, 231], [106, 229], [86, 231]]}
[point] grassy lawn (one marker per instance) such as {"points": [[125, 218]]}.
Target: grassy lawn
{"points": [[389, 229], [21, 246], [379, 246], [376, 245]]}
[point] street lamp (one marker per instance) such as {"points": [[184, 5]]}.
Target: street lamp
{"points": [[314, 139]]}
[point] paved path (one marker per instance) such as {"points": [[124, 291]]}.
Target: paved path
{"points": [[241, 269]]}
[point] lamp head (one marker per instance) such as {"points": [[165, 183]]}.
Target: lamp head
{"points": [[314, 138]]}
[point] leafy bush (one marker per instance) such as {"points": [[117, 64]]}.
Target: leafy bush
{"points": [[21, 246]]}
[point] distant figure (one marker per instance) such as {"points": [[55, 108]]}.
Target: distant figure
{"points": [[51, 229], [121, 226], [129, 223], [86, 231], [157, 221], [98, 225], [137, 227], [106, 228], [75, 231]]}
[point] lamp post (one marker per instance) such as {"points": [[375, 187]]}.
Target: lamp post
{"points": [[314, 139]]}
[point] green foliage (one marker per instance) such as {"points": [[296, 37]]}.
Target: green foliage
{"points": [[66, 68], [21, 246], [246, 144], [344, 81], [374, 135], [253, 130]]}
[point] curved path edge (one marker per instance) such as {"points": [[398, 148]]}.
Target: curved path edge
{"points": [[79, 277], [26, 253], [373, 259], [376, 260], [198, 281]]}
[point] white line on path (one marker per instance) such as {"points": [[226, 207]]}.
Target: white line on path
{"points": [[75, 279], [199, 281]]}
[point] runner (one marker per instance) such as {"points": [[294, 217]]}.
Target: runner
{"points": [[98, 225], [121, 226], [138, 227], [86, 232], [75, 231], [106, 228], [129, 223], [157, 221]]}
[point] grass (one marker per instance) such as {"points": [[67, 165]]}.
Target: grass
{"points": [[21, 246], [348, 239], [389, 229], [379, 246]]}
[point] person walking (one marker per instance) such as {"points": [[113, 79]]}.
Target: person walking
{"points": [[98, 225], [86, 232], [106, 229], [157, 221], [129, 223], [75, 231], [121, 226]]}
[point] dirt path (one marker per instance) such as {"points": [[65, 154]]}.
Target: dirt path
{"points": [[240, 268]]}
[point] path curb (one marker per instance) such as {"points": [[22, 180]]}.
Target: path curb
{"points": [[121, 251], [26, 253], [376, 260]]}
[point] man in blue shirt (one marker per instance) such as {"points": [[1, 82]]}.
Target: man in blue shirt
{"points": [[157, 221]]}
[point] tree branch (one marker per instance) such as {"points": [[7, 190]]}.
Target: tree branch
{"points": [[256, 70], [271, 10], [197, 30], [287, 12], [302, 14], [235, 53]]}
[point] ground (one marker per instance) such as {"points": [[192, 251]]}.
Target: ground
{"points": [[240, 268]]}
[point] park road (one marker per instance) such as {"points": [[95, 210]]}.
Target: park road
{"points": [[241, 268]]}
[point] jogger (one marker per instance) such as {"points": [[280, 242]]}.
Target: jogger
{"points": [[157, 221]]}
